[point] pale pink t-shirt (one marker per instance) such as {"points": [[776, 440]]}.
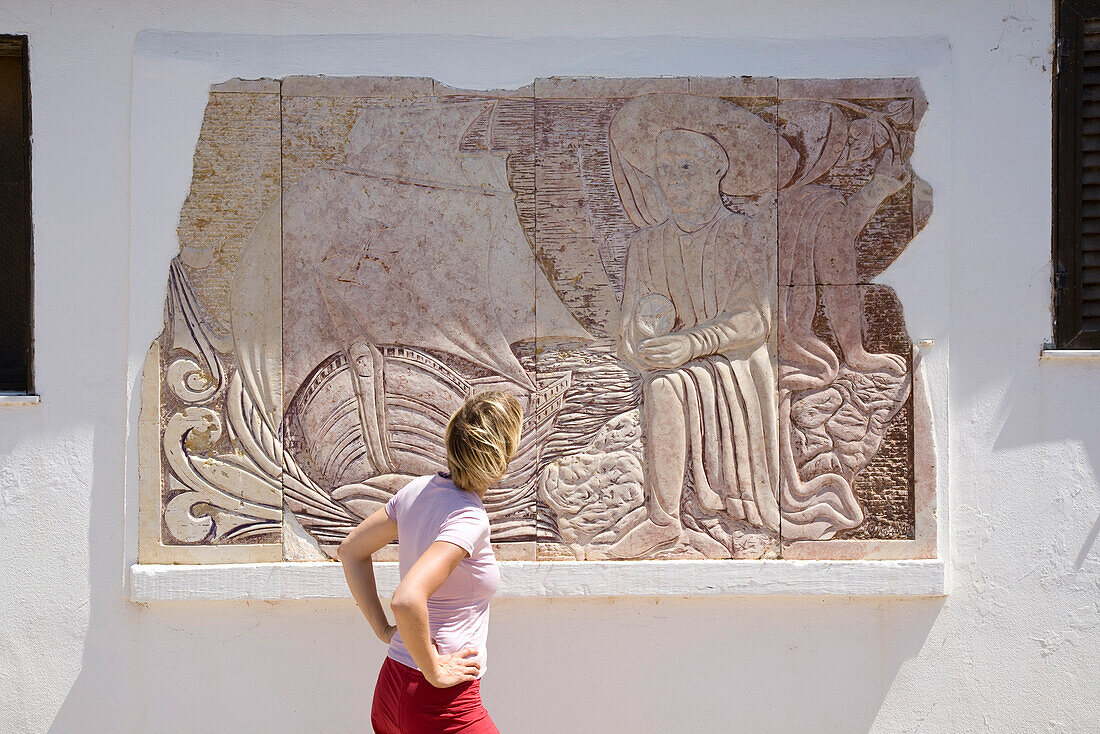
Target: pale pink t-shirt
{"points": [[433, 508]]}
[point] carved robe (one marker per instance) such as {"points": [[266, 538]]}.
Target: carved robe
{"points": [[720, 280]]}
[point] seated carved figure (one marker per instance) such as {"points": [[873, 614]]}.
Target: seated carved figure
{"points": [[697, 315]]}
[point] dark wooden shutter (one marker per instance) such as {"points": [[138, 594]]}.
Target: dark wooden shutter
{"points": [[1077, 175], [16, 310]]}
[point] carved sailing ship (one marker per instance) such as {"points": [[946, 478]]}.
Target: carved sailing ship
{"points": [[323, 432]]}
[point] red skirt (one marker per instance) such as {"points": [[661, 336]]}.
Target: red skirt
{"points": [[406, 703]]}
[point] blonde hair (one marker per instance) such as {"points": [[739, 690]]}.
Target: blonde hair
{"points": [[482, 436]]}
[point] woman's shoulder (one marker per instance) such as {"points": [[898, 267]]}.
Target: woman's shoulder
{"points": [[416, 484], [462, 516], [412, 490]]}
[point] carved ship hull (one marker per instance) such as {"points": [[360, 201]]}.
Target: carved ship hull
{"points": [[323, 429]]}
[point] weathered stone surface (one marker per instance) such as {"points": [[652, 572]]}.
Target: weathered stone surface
{"points": [[254, 86], [154, 546], [236, 176], [740, 88], [846, 417], [675, 275], [358, 87], [601, 88], [849, 210], [407, 277], [219, 493], [601, 196], [861, 544]]}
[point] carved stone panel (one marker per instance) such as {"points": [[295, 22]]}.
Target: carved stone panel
{"points": [[674, 275], [641, 465], [845, 358], [218, 486]]}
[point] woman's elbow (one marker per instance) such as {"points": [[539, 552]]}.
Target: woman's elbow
{"points": [[406, 599], [345, 552]]}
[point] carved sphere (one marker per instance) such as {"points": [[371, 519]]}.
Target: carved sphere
{"points": [[655, 315]]}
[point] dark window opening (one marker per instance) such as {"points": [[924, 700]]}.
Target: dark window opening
{"points": [[16, 312], [1077, 175]]}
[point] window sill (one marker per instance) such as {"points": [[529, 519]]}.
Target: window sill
{"points": [[12, 398], [1069, 355], [527, 579]]}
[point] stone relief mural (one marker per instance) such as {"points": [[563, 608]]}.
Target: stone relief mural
{"points": [[675, 276]]}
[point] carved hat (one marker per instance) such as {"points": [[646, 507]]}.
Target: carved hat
{"points": [[759, 159]]}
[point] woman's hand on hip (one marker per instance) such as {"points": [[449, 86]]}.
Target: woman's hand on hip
{"points": [[450, 670], [387, 633]]}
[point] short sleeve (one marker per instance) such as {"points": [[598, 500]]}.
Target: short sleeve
{"points": [[465, 528], [402, 497], [391, 506]]}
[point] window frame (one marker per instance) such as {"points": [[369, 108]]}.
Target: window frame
{"points": [[17, 45], [1068, 254]]}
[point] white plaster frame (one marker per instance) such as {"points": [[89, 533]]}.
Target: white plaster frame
{"points": [[20, 398], [172, 75], [1069, 355], [320, 580]]}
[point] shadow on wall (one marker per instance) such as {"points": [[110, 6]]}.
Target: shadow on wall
{"points": [[594, 665], [214, 667], [1048, 423], [701, 665], [102, 696]]}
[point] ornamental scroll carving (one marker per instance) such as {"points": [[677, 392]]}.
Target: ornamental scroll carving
{"points": [[675, 276]]}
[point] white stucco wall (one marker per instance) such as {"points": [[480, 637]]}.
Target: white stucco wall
{"points": [[1014, 645]]}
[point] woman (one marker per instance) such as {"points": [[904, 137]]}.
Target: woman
{"points": [[430, 681]]}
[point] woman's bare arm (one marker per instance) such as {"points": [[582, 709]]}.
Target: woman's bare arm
{"points": [[410, 609], [355, 553]]}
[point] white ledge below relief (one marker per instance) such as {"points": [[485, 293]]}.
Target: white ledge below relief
{"points": [[1066, 355], [520, 579], [11, 398]]}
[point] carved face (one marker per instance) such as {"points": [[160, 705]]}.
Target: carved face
{"points": [[689, 167]]}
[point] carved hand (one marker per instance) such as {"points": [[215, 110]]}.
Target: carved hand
{"points": [[891, 173], [665, 352], [450, 670]]}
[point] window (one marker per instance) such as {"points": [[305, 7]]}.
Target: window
{"points": [[16, 312], [1077, 176]]}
